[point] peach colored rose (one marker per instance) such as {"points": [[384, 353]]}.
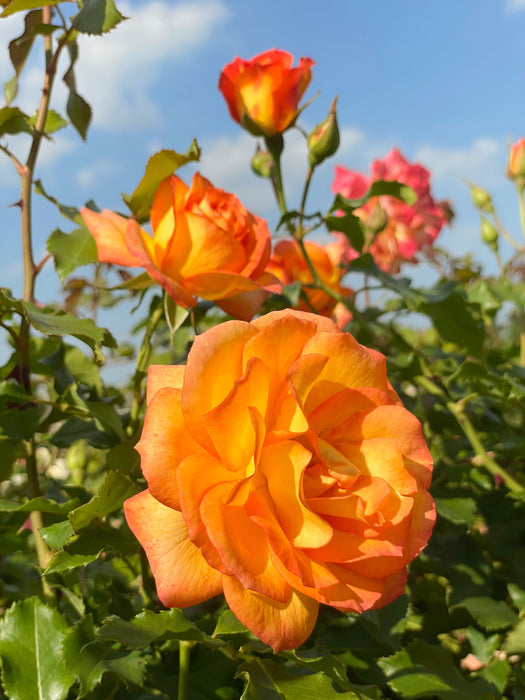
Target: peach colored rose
{"points": [[288, 265], [409, 228], [263, 94], [204, 244], [516, 164], [282, 470]]}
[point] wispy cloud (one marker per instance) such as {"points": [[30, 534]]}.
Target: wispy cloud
{"points": [[478, 161], [116, 72], [515, 5], [88, 175]]}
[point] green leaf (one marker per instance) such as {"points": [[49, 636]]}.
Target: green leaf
{"points": [[56, 535], [71, 213], [490, 614], [89, 659], [458, 510], [97, 17], [516, 593], [270, 680], [113, 491], [454, 318], [31, 647], [378, 188], [229, 624], [147, 626], [175, 315], [515, 642], [140, 282], [20, 48], [351, 226], [52, 322], [22, 5], [160, 166], [64, 561], [44, 505], [54, 122], [78, 110], [393, 189], [71, 250], [427, 671], [14, 121], [11, 89], [106, 415], [10, 451]]}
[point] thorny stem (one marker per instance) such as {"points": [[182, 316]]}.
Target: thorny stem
{"points": [[30, 273]]}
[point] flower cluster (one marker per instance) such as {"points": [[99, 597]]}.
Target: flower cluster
{"points": [[282, 470], [408, 229]]}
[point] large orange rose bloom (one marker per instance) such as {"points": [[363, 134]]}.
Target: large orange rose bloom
{"points": [[263, 94], [282, 470], [204, 244], [288, 265]]}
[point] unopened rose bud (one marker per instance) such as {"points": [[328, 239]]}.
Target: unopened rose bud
{"points": [[489, 235], [481, 199], [516, 164], [323, 141], [262, 163], [377, 220]]}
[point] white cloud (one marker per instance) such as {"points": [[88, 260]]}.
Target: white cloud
{"points": [[117, 71], [226, 162], [479, 162], [515, 5], [90, 174]]}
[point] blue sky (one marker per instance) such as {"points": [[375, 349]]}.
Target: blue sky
{"points": [[443, 81]]}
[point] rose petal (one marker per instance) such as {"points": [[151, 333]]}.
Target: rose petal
{"points": [[108, 229], [280, 625], [182, 575]]}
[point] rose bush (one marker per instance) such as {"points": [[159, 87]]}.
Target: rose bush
{"points": [[282, 470], [205, 244], [288, 265], [263, 93], [409, 228]]}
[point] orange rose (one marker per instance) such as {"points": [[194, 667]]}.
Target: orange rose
{"points": [[516, 164], [288, 265], [263, 94], [282, 470], [205, 244]]}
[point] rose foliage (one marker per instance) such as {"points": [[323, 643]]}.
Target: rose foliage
{"points": [[237, 502]]}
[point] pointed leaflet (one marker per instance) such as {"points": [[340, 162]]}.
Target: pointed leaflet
{"points": [[90, 659], [78, 109], [97, 17], [71, 250], [31, 648], [159, 167], [147, 626]]}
